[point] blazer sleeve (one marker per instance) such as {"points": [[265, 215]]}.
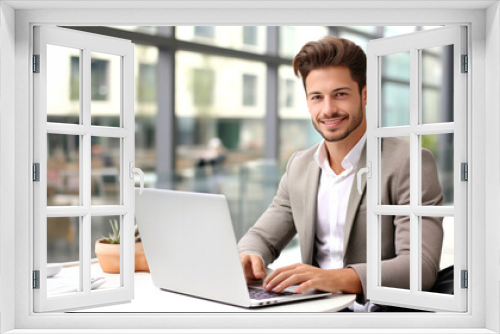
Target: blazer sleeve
{"points": [[275, 228], [395, 271]]}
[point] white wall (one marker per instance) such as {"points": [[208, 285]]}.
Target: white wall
{"points": [[7, 159], [492, 149]]}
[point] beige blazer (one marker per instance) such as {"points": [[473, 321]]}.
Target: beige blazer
{"points": [[293, 211]]}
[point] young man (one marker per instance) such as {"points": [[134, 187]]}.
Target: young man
{"points": [[318, 198]]}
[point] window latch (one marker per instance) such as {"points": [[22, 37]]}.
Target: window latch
{"points": [[132, 171], [366, 170]]}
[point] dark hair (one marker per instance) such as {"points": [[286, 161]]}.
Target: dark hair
{"points": [[331, 51]]}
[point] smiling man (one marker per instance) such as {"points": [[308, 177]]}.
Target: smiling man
{"points": [[317, 197]]}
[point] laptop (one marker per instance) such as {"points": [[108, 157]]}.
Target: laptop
{"points": [[191, 249]]}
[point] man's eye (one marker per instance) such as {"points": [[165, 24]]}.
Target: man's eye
{"points": [[341, 94], [315, 97]]}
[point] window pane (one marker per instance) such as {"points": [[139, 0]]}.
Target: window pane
{"points": [[293, 38], [366, 29], [387, 167], [63, 84], [396, 89], [105, 89], [437, 84], [146, 106], [296, 130], [141, 29], [358, 39], [441, 147], [398, 30], [106, 171], [250, 38], [63, 247], [105, 245], [219, 124], [395, 274], [63, 170], [431, 242]]}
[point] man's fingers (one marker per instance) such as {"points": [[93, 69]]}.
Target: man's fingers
{"points": [[279, 279], [278, 272], [253, 266], [293, 279], [258, 269], [305, 286]]}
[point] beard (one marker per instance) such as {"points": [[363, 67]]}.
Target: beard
{"points": [[336, 135]]}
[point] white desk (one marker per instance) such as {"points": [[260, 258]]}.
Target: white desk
{"points": [[148, 298]]}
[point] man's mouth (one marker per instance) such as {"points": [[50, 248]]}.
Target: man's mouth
{"points": [[333, 122]]}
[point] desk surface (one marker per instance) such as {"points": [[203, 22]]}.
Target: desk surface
{"points": [[149, 298]]}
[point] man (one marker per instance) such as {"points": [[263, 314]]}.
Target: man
{"points": [[317, 196]]}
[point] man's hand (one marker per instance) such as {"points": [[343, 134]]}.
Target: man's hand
{"points": [[309, 277], [253, 266]]}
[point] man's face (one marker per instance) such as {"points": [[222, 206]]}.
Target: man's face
{"points": [[336, 106]]}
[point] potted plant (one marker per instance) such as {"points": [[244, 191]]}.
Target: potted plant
{"points": [[107, 250]]}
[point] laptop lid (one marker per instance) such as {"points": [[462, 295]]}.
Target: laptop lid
{"points": [[189, 242], [190, 245]]}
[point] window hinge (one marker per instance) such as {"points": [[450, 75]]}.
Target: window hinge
{"points": [[464, 167], [36, 279], [465, 279], [36, 63], [465, 64], [36, 172]]}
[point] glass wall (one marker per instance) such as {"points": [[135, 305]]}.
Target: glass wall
{"points": [[217, 78]]}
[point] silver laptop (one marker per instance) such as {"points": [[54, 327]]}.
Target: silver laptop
{"points": [[191, 249]]}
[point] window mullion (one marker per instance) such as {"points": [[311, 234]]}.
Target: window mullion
{"points": [[85, 170], [414, 170], [271, 148]]}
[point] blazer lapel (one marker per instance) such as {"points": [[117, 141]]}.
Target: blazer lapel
{"points": [[310, 207], [354, 199]]}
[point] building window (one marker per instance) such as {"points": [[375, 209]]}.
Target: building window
{"points": [[74, 80], [203, 84], [146, 85], [249, 90], [99, 83], [204, 31], [250, 35]]}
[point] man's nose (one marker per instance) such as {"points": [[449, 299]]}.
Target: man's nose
{"points": [[329, 107]]}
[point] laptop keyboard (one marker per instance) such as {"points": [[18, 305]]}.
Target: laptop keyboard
{"points": [[260, 294]]}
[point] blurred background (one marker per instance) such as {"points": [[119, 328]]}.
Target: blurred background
{"points": [[217, 109]]}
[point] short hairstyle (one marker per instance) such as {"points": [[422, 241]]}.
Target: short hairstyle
{"points": [[331, 51]]}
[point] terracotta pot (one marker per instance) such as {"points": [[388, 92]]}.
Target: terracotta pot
{"points": [[141, 264], [109, 257]]}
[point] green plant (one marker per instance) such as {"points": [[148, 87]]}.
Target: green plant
{"points": [[114, 237], [136, 234]]}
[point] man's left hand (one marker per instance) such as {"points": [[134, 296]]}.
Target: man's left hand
{"points": [[309, 277]]}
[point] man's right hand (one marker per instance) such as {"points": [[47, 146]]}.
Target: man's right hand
{"points": [[253, 267]]}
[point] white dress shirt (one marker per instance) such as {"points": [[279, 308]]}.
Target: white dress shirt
{"points": [[333, 197]]}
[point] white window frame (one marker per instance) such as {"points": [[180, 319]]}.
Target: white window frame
{"points": [[484, 102], [86, 43], [413, 44]]}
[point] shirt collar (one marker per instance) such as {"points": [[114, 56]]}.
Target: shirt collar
{"points": [[350, 161]]}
